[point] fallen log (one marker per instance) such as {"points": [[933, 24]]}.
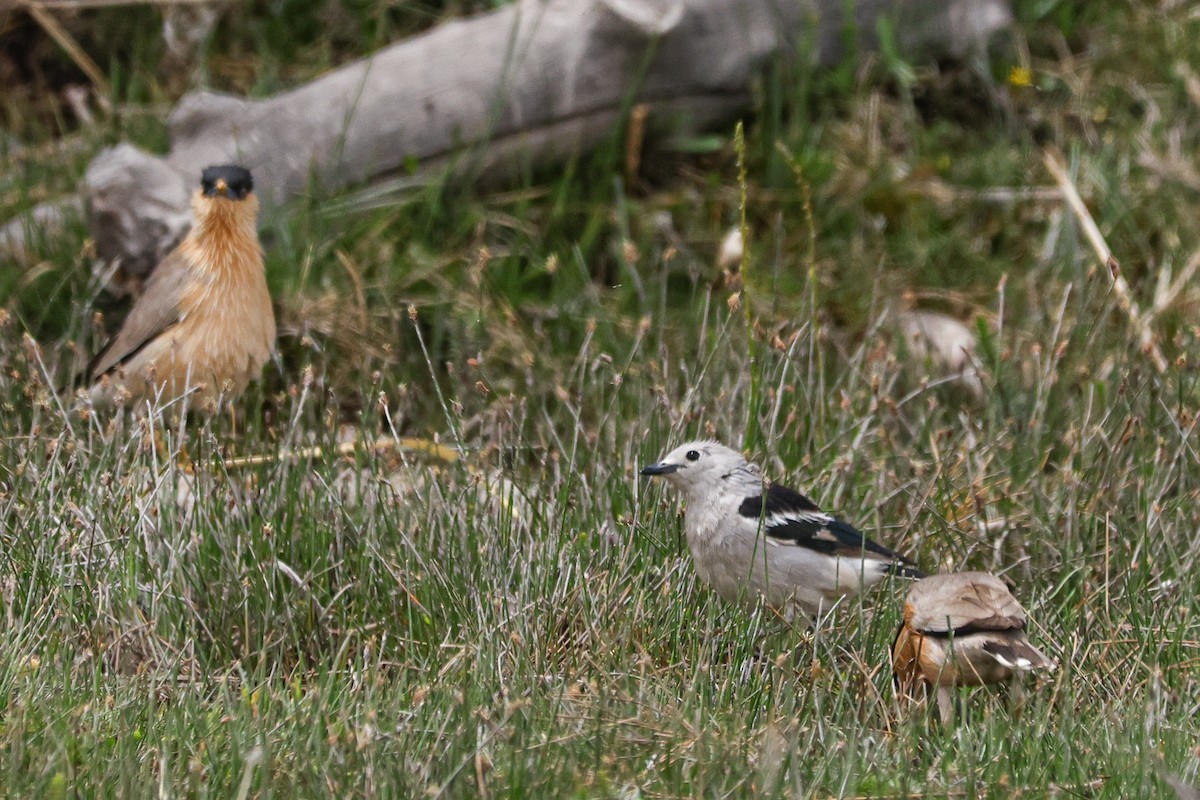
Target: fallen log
{"points": [[534, 83]]}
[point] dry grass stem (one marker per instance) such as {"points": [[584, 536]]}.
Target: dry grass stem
{"points": [[38, 10], [1121, 288]]}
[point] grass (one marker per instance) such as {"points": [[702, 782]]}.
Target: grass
{"points": [[524, 621]]}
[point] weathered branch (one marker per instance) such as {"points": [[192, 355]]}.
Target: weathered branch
{"points": [[536, 82]]}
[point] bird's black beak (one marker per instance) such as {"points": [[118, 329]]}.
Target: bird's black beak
{"points": [[659, 469]]}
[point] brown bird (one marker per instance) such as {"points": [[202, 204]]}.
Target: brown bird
{"points": [[204, 326], [961, 629]]}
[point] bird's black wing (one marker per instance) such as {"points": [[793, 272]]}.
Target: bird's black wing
{"points": [[790, 518], [155, 310]]}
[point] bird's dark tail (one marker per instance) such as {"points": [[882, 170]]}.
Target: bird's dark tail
{"points": [[904, 569], [1015, 652]]}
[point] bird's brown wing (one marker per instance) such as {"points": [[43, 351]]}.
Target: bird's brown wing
{"points": [[154, 312], [962, 603]]}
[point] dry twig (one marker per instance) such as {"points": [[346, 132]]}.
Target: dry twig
{"points": [[439, 451]]}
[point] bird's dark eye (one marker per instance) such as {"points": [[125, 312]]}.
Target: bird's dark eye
{"points": [[693, 455]]}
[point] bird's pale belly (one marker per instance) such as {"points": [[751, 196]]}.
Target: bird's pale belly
{"points": [[741, 571], [201, 359]]}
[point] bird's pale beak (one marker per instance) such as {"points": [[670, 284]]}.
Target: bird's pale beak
{"points": [[221, 187], [659, 469]]}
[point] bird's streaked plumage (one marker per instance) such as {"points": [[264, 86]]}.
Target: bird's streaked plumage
{"points": [[204, 325], [749, 538], [962, 629]]}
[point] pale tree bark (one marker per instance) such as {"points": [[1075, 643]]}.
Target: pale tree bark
{"points": [[534, 83]]}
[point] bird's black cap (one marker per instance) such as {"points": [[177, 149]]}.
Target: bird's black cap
{"points": [[237, 181]]}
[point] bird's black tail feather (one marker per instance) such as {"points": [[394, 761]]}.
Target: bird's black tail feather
{"points": [[903, 569]]}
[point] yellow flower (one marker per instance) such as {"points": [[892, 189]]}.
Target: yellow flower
{"points": [[1020, 77]]}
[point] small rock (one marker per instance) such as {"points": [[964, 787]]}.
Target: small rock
{"points": [[943, 342]]}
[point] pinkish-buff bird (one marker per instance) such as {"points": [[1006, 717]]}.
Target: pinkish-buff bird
{"points": [[961, 629], [204, 327]]}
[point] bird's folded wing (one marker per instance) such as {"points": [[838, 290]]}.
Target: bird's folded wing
{"points": [[1014, 651], [779, 500], [963, 603], [792, 519], [155, 311]]}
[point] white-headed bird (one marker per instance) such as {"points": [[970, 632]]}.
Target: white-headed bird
{"points": [[751, 539], [204, 325], [961, 629]]}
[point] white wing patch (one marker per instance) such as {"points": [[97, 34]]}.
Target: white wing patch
{"points": [[1018, 663], [817, 519]]}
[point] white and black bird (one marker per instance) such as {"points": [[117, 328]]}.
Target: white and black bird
{"points": [[750, 538]]}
